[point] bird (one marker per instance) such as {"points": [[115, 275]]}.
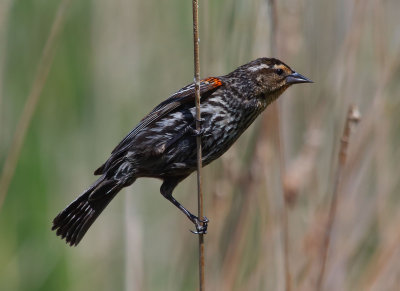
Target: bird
{"points": [[163, 144]]}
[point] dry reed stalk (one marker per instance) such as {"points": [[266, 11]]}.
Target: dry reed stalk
{"points": [[273, 22], [285, 213], [340, 67], [247, 183], [235, 250], [382, 256], [4, 14], [195, 6], [353, 117], [389, 225], [133, 246], [376, 123], [300, 171], [358, 149], [32, 100]]}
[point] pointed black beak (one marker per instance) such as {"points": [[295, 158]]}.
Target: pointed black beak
{"points": [[296, 78]]}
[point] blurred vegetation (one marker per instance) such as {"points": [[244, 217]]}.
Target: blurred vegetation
{"points": [[115, 60]]}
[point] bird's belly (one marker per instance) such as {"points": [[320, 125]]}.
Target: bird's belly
{"points": [[224, 133], [221, 128]]}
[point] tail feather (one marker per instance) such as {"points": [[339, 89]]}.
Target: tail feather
{"points": [[74, 221]]}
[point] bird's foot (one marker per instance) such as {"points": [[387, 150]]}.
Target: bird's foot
{"points": [[201, 225]]}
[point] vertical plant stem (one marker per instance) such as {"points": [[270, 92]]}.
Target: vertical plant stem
{"points": [[5, 11], [353, 116], [195, 4], [285, 206], [31, 102], [273, 22]]}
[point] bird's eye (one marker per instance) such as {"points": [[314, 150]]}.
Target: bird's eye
{"points": [[279, 72]]}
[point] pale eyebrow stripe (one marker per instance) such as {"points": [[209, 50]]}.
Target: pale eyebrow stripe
{"points": [[259, 67]]}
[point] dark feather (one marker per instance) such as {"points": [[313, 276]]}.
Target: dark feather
{"points": [[183, 96], [74, 221]]}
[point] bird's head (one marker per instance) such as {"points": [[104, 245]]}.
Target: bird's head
{"points": [[270, 76]]}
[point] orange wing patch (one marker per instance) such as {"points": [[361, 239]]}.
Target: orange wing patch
{"points": [[213, 82]]}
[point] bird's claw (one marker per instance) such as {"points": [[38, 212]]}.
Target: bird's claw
{"points": [[201, 225]]}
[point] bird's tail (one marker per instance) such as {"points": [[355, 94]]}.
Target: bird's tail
{"points": [[74, 221]]}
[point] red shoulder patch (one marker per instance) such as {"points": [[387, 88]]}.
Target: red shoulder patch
{"points": [[213, 82]]}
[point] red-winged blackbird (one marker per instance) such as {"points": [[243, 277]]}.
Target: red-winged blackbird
{"points": [[163, 144]]}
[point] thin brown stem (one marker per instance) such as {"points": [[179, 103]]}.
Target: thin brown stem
{"points": [[31, 102], [285, 206], [195, 4], [4, 15], [273, 22], [353, 117]]}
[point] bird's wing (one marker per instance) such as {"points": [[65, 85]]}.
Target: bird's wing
{"points": [[183, 96]]}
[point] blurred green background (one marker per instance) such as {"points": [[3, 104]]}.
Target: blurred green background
{"points": [[115, 60]]}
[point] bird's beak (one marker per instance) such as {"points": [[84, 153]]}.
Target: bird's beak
{"points": [[296, 78]]}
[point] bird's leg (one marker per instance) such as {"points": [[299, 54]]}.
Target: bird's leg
{"points": [[166, 190], [200, 224]]}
